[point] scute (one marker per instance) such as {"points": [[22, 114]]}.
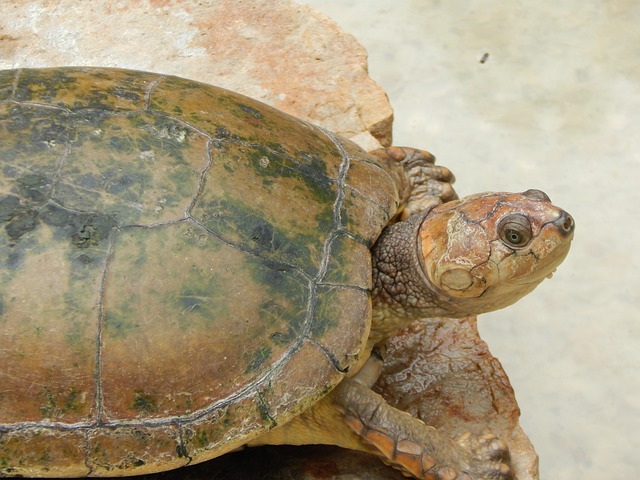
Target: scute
{"points": [[250, 213], [209, 332], [181, 268]]}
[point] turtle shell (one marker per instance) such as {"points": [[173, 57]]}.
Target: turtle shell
{"points": [[182, 268]]}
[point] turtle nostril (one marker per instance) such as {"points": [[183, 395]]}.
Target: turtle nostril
{"points": [[565, 223], [568, 224]]}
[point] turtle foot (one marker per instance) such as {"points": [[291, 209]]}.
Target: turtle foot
{"points": [[430, 184]]}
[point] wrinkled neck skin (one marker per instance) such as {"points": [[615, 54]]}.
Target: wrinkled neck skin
{"points": [[401, 291]]}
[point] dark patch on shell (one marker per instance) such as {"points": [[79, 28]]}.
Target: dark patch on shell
{"points": [[143, 403], [9, 208], [35, 187], [120, 92], [235, 220], [258, 357], [265, 237], [251, 111], [18, 218], [182, 451], [48, 132], [22, 224], [83, 229]]}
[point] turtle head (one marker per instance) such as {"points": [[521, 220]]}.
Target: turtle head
{"points": [[487, 251]]}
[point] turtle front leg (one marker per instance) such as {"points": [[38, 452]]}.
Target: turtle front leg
{"points": [[413, 447], [429, 184]]}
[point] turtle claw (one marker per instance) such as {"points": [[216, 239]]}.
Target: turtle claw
{"points": [[489, 457]]}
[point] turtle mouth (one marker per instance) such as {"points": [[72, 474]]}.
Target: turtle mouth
{"points": [[546, 264]]}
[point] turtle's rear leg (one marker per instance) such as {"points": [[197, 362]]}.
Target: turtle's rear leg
{"points": [[429, 184], [413, 447]]}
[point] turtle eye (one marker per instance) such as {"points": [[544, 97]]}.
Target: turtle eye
{"points": [[515, 230]]}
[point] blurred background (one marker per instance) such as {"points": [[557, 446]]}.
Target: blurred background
{"points": [[517, 95]]}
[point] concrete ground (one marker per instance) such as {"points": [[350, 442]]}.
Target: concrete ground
{"points": [[517, 95]]}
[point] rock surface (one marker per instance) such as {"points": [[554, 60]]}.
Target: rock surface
{"points": [[299, 61], [283, 53], [443, 373]]}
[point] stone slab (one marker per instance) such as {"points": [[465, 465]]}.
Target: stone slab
{"points": [[280, 52]]}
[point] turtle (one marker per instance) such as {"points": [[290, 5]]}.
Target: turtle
{"points": [[186, 271]]}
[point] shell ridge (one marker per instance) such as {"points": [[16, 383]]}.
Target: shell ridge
{"points": [[58, 172], [56, 202], [47, 106], [355, 237], [342, 286], [201, 182], [329, 354], [189, 125], [337, 204], [87, 453], [14, 83], [150, 89], [364, 195], [333, 235], [381, 170], [181, 447], [164, 223], [99, 397], [47, 425]]}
